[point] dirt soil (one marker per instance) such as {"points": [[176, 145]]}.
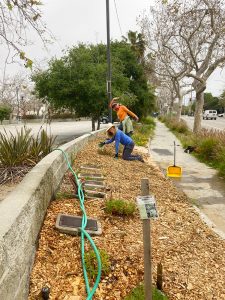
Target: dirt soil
{"points": [[191, 254]]}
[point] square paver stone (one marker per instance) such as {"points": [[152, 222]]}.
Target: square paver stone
{"points": [[70, 224]]}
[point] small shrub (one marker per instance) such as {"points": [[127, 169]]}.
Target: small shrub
{"points": [[120, 207], [176, 126], [138, 294], [4, 112], [148, 121], [92, 264], [220, 156], [142, 133], [207, 148], [140, 139]]}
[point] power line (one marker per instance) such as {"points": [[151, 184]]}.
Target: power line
{"points": [[118, 17]]}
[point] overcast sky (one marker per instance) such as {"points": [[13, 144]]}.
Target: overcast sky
{"points": [[73, 21]]}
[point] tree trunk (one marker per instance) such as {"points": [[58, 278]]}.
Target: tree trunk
{"points": [[93, 123], [179, 107], [98, 126], [198, 111]]}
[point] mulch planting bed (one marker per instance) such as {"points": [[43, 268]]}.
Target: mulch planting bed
{"points": [[192, 255]]}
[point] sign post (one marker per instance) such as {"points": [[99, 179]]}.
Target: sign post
{"points": [[147, 208]]}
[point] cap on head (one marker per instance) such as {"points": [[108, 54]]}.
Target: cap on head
{"points": [[114, 104], [110, 125]]}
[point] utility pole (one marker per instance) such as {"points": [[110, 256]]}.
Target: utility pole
{"points": [[109, 73]]}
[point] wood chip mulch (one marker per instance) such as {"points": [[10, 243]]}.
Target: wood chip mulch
{"points": [[192, 255]]}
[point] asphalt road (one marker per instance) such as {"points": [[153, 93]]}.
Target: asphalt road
{"points": [[65, 131], [218, 124]]}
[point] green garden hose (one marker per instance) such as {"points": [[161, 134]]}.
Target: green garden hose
{"points": [[90, 292]]}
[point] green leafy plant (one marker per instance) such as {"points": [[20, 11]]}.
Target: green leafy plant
{"points": [[138, 294], [92, 266], [4, 112], [119, 207], [148, 121], [142, 132]]}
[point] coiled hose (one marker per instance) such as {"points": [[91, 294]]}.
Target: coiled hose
{"points": [[90, 292]]}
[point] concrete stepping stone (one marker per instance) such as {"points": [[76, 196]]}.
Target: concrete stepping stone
{"points": [[70, 224], [93, 182], [90, 168], [90, 194]]}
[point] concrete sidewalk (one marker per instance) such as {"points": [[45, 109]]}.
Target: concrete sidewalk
{"points": [[199, 182]]}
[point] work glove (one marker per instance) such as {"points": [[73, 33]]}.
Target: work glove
{"points": [[101, 144], [116, 155]]}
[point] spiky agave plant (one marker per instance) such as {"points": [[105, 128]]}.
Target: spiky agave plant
{"points": [[20, 152], [14, 149]]}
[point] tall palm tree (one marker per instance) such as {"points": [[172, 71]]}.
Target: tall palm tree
{"points": [[138, 44]]}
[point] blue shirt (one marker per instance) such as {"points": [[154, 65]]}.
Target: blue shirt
{"points": [[120, 138]]}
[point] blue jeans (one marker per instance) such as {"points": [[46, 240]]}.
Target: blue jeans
{"points": [[127, 153]]}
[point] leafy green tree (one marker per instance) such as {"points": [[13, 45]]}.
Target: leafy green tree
{"points": [[137, 42], [4, 112], [222, 101], [138, 84], [211, 102], [78, 80]]}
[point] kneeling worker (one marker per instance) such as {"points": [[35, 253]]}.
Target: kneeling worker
{"points": [[121, 138]]}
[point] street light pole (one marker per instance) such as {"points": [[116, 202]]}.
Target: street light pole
{"points": [[109, 73]]}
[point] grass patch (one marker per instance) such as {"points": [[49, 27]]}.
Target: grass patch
{"points": [[64, 195], [92, 266], [120, 207], [209, 144], [138, 294], [143, 131]]}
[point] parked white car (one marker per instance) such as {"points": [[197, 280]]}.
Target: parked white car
{"points": [[210, 114], [220, 115]]}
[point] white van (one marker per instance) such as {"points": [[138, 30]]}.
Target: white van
{"points": [[210, 114]]}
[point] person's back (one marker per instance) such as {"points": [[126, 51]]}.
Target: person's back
{"points": [[122, 138], [119, 137]]}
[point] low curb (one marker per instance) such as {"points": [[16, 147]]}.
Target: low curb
{"points": [[22, 213]]}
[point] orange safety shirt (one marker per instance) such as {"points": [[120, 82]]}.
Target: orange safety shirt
{"points": [[123, 112]]}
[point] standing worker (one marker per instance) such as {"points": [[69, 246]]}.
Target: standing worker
{"points": [[124, 115], [119, 137]]}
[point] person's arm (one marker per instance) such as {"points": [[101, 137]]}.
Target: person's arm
{"points": [[109, 141], [117, 143], [130, 113]]}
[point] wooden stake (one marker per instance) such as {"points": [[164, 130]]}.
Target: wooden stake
{"points": [[159, 280], [147, 246]]}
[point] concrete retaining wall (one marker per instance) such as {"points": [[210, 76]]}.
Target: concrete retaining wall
{"points": [[21, 217]]}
